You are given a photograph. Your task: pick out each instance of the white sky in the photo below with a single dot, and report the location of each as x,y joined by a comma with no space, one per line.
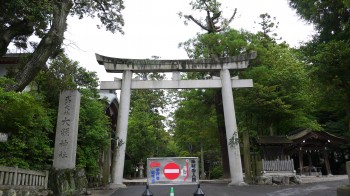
153,27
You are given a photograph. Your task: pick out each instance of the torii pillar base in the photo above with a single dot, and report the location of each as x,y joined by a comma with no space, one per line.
238,184
116,186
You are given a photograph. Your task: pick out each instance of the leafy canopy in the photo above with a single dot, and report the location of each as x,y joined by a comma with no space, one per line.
29,125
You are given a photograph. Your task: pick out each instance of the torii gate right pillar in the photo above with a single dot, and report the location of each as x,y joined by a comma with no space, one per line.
234,154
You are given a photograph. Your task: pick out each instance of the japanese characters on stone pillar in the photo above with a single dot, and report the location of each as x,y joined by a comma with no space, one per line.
67,130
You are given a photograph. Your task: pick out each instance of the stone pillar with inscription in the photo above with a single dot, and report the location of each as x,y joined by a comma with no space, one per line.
64,178
67,130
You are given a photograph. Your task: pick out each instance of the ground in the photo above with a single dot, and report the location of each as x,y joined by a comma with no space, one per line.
311,186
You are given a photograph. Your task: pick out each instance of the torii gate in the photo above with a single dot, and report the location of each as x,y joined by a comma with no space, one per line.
129,66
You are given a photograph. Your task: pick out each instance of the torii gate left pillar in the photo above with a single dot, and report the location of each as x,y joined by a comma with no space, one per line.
128,66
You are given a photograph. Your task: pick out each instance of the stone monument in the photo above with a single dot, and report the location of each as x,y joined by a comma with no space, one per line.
64,179
67,130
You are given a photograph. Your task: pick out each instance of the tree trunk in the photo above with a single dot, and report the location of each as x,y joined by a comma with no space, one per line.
247,161
222,133
271,129
210,27
49,45
348,116
202,163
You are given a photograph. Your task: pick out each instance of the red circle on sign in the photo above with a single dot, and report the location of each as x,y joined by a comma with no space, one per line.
171,171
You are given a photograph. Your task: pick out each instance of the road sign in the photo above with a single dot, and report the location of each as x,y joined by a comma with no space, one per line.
172,170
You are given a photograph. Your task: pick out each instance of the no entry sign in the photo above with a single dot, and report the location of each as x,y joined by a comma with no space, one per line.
172,170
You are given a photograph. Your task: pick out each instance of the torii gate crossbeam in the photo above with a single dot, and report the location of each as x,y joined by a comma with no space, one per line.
128,66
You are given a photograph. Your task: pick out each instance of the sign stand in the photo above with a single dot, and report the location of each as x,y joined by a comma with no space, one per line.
147,192
199,191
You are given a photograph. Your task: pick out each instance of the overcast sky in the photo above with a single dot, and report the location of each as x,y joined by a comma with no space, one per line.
152,27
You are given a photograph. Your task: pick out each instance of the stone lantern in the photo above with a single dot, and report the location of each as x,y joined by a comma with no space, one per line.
141,168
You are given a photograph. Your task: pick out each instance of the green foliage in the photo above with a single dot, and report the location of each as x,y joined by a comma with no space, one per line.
195,121
93,135
36,16
328,59
331,18
29,126
64,74
146,132
331,67
227,43
217,172
29,118
281,98
280,101
46,19
108,11
129,169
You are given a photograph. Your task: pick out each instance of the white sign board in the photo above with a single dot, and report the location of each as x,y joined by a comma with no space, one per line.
3,137
172,170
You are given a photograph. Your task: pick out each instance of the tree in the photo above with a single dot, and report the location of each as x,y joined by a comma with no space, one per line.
213,24
64,74
331,18
329,65
326,56
20,19
94,133
146,131
196,127
281,99
93,137
29,125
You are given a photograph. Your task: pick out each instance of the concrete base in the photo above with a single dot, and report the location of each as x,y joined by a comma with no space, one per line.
238,184
343,191
116,186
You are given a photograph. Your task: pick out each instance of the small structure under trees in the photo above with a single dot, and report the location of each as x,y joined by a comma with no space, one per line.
310,149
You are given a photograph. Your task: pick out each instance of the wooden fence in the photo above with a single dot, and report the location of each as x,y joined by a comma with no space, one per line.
278,166
16,178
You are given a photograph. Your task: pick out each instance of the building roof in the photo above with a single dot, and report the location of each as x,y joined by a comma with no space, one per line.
11,58
308,134
273,140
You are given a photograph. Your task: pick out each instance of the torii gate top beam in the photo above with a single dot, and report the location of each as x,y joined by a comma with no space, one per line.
118,65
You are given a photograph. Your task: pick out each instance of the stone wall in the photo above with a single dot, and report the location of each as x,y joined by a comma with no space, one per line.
278,179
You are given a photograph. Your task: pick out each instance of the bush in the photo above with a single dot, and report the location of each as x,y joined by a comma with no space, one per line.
217,172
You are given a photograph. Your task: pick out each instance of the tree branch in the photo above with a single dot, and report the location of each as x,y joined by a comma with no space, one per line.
48,46
196,21
100,5
23,27
232,17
